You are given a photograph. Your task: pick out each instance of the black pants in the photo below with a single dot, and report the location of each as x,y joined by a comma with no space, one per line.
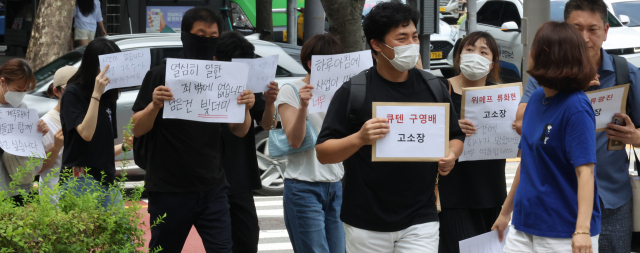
208,211
245,231
460,224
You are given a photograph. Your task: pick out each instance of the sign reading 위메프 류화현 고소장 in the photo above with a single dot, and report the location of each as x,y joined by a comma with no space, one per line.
205,91
492,110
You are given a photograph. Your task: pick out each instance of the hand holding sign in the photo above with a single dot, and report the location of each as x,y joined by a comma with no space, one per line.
126,69
373,130
305,95
161,94
271,94
247,98
607,102
101,83
329,72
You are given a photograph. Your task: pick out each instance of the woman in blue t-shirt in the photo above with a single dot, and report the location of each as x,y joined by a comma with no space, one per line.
553,192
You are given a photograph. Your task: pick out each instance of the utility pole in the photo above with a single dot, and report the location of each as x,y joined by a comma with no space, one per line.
292,31
428,25
472,16
535,13
313,18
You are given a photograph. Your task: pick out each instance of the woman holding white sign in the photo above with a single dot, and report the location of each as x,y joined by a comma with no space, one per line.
553,192
312,191
88,120
16,78
471,195
53,141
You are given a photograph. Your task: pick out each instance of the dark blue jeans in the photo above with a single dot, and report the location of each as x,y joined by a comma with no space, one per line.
312,216
208,211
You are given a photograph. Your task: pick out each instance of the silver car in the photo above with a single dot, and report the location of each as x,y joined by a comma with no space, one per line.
169,46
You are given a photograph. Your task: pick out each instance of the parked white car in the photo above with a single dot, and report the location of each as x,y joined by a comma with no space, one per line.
627,11
501,18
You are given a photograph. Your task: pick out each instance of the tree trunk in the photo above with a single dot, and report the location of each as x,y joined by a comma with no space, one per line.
264,18
51,34
345,19
413,3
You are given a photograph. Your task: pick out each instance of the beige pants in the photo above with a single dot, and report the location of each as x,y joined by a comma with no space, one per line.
82,34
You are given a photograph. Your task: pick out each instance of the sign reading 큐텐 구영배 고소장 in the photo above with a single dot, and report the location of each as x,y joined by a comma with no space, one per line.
419,132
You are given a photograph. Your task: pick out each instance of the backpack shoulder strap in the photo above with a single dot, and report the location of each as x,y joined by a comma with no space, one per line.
622,70
357,92
435,85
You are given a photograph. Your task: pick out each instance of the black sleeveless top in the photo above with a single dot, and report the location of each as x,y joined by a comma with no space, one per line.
473,184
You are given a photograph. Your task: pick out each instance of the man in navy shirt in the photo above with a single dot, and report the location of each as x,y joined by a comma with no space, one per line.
612,175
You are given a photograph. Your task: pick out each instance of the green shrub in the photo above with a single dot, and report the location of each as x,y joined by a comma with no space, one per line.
76,223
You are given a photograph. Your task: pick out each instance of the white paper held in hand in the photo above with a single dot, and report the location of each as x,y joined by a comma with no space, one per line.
329,72
417,132
607,102
19,132
485,243
492,110
126,69
261,72
205,91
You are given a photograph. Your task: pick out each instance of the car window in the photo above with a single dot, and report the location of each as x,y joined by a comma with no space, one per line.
510,13
557,14
45,74
490,13
631,9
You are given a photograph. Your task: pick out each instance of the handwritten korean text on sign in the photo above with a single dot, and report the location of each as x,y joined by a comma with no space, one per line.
19,132
261,72
418,131
491,109
607,102
205,91
126,69
329,72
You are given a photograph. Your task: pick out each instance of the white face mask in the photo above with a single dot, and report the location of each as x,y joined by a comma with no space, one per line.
13,98
406,56
474,66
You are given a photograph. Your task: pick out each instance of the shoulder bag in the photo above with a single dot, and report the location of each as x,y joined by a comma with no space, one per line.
278,142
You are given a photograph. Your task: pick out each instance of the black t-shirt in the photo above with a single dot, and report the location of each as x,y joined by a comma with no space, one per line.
384,196
183,155
97,154
239,159
473,184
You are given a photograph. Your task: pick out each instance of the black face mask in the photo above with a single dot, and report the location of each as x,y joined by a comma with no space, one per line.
198,48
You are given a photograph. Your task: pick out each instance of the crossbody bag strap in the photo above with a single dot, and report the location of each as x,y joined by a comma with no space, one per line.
275,116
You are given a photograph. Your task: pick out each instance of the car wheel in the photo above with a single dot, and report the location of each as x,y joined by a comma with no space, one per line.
447,73
271,168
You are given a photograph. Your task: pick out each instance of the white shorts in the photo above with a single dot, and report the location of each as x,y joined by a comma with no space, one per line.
520,242
421,238
82,34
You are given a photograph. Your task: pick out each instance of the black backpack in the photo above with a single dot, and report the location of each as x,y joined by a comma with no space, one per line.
358,92
141,147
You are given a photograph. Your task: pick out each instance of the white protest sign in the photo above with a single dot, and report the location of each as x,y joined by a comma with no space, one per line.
19,132
126,69
491,109
607,102
329,72
205,91
261,72
418,132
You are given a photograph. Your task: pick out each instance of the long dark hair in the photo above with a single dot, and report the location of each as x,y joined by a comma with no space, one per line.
89,69
86,7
